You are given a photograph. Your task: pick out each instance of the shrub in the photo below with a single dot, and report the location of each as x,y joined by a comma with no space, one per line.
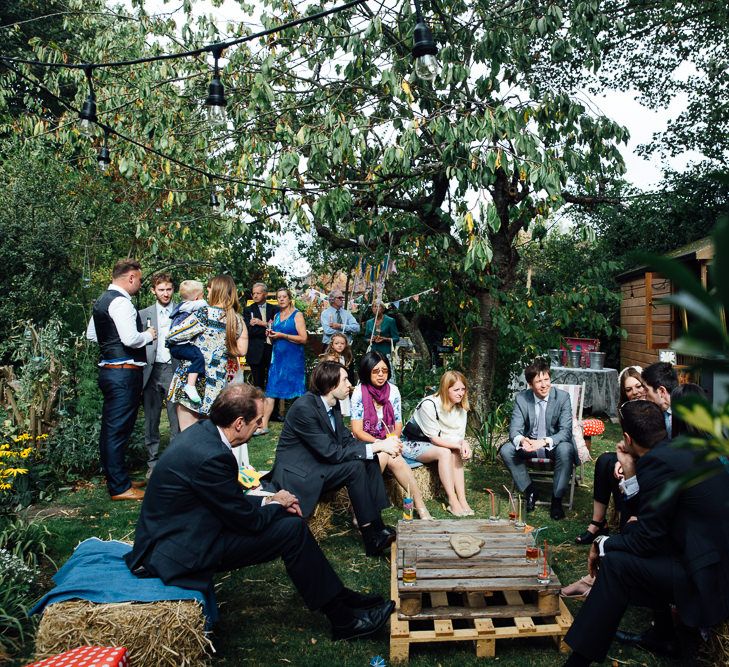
22,544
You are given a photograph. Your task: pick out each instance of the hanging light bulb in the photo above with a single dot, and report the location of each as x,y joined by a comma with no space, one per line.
104,157
215,101
424,48
87,115
214,201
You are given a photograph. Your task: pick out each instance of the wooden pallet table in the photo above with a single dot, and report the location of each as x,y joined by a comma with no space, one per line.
490,596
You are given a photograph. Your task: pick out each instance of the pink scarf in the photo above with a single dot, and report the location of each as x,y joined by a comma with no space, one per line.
371,423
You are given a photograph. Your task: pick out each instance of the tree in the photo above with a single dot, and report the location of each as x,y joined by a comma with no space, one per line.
662,49
329,128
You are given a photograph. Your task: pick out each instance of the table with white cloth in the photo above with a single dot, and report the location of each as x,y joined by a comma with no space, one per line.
602,392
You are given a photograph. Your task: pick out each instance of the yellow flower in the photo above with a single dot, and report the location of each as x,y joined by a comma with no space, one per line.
16,471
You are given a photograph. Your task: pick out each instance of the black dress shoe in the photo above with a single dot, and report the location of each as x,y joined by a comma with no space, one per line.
356,600
365,622
276,418
531,500
377,540
556,511
650,641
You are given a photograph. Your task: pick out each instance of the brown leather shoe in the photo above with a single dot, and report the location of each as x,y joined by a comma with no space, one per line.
130,494
139,485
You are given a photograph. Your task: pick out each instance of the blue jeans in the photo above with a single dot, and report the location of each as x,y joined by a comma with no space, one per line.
191,353
122,391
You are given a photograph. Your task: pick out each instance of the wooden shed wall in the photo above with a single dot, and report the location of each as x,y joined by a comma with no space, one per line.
633,318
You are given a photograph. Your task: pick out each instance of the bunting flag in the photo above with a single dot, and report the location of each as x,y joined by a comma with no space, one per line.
412,297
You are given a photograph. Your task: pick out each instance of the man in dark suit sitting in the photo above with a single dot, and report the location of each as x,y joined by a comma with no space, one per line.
316,453
541,426
677,551
196,520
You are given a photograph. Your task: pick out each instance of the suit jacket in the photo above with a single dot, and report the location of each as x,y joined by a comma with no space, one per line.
690,526
558,416
192,497
257,334
151,350
307,445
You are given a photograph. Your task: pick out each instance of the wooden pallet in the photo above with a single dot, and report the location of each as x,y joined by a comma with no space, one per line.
455,602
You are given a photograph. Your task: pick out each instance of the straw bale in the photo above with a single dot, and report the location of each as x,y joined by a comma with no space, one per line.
716,650
426,477
170,632
331,503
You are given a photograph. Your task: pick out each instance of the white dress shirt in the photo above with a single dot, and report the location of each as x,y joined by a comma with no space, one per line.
124,315
163,355
226,442
518,438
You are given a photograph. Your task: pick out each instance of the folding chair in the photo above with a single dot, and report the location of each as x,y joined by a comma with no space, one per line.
542,469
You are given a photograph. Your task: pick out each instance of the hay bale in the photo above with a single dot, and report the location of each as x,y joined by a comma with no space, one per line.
426,477
331,503
170,632
716,650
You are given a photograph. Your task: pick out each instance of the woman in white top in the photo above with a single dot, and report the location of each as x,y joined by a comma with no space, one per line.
442,419
377,414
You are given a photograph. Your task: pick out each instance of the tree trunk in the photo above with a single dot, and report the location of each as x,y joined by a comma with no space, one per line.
412,327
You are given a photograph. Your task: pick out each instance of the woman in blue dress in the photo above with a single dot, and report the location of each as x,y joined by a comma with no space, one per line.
287,374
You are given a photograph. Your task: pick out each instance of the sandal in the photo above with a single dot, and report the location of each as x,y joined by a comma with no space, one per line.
580,589
588,537
423,514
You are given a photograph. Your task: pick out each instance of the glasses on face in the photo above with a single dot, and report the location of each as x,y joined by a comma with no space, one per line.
379,371
339,298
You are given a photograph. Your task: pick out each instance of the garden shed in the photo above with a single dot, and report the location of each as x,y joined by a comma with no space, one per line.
650,325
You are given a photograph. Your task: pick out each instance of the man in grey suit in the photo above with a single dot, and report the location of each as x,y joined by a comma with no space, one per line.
159,369
541,427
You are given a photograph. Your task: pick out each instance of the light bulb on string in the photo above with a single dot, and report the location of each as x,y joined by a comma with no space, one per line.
87,115
104,156
424,48
214,202
215,102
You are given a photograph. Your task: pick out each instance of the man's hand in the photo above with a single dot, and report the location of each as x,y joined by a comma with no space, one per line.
618,471
152,332
593,560
390,445
335,325
625,458
257,322
529,445
287,500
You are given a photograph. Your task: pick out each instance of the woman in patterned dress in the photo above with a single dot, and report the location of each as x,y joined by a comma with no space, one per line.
219,332
287,374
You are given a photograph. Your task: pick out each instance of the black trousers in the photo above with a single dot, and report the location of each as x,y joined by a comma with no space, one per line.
259,371
288,538
605,484
122,391
622,579
364,484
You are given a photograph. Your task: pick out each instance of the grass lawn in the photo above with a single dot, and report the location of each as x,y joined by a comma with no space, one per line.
263,620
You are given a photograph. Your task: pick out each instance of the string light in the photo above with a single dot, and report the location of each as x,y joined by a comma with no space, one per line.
87,115
215,102
214,201
104,157
424,48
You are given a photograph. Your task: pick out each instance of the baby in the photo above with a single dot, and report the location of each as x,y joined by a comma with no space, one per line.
191,292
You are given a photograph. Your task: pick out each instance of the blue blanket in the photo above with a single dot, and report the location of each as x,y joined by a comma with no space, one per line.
98,573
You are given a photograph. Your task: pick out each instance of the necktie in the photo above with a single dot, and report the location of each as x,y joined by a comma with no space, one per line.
541,421
667,419
330,412
339,316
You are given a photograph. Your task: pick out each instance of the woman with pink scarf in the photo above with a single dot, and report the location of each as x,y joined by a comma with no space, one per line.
377,414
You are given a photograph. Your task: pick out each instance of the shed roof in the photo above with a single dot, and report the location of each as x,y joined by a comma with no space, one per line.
702,249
